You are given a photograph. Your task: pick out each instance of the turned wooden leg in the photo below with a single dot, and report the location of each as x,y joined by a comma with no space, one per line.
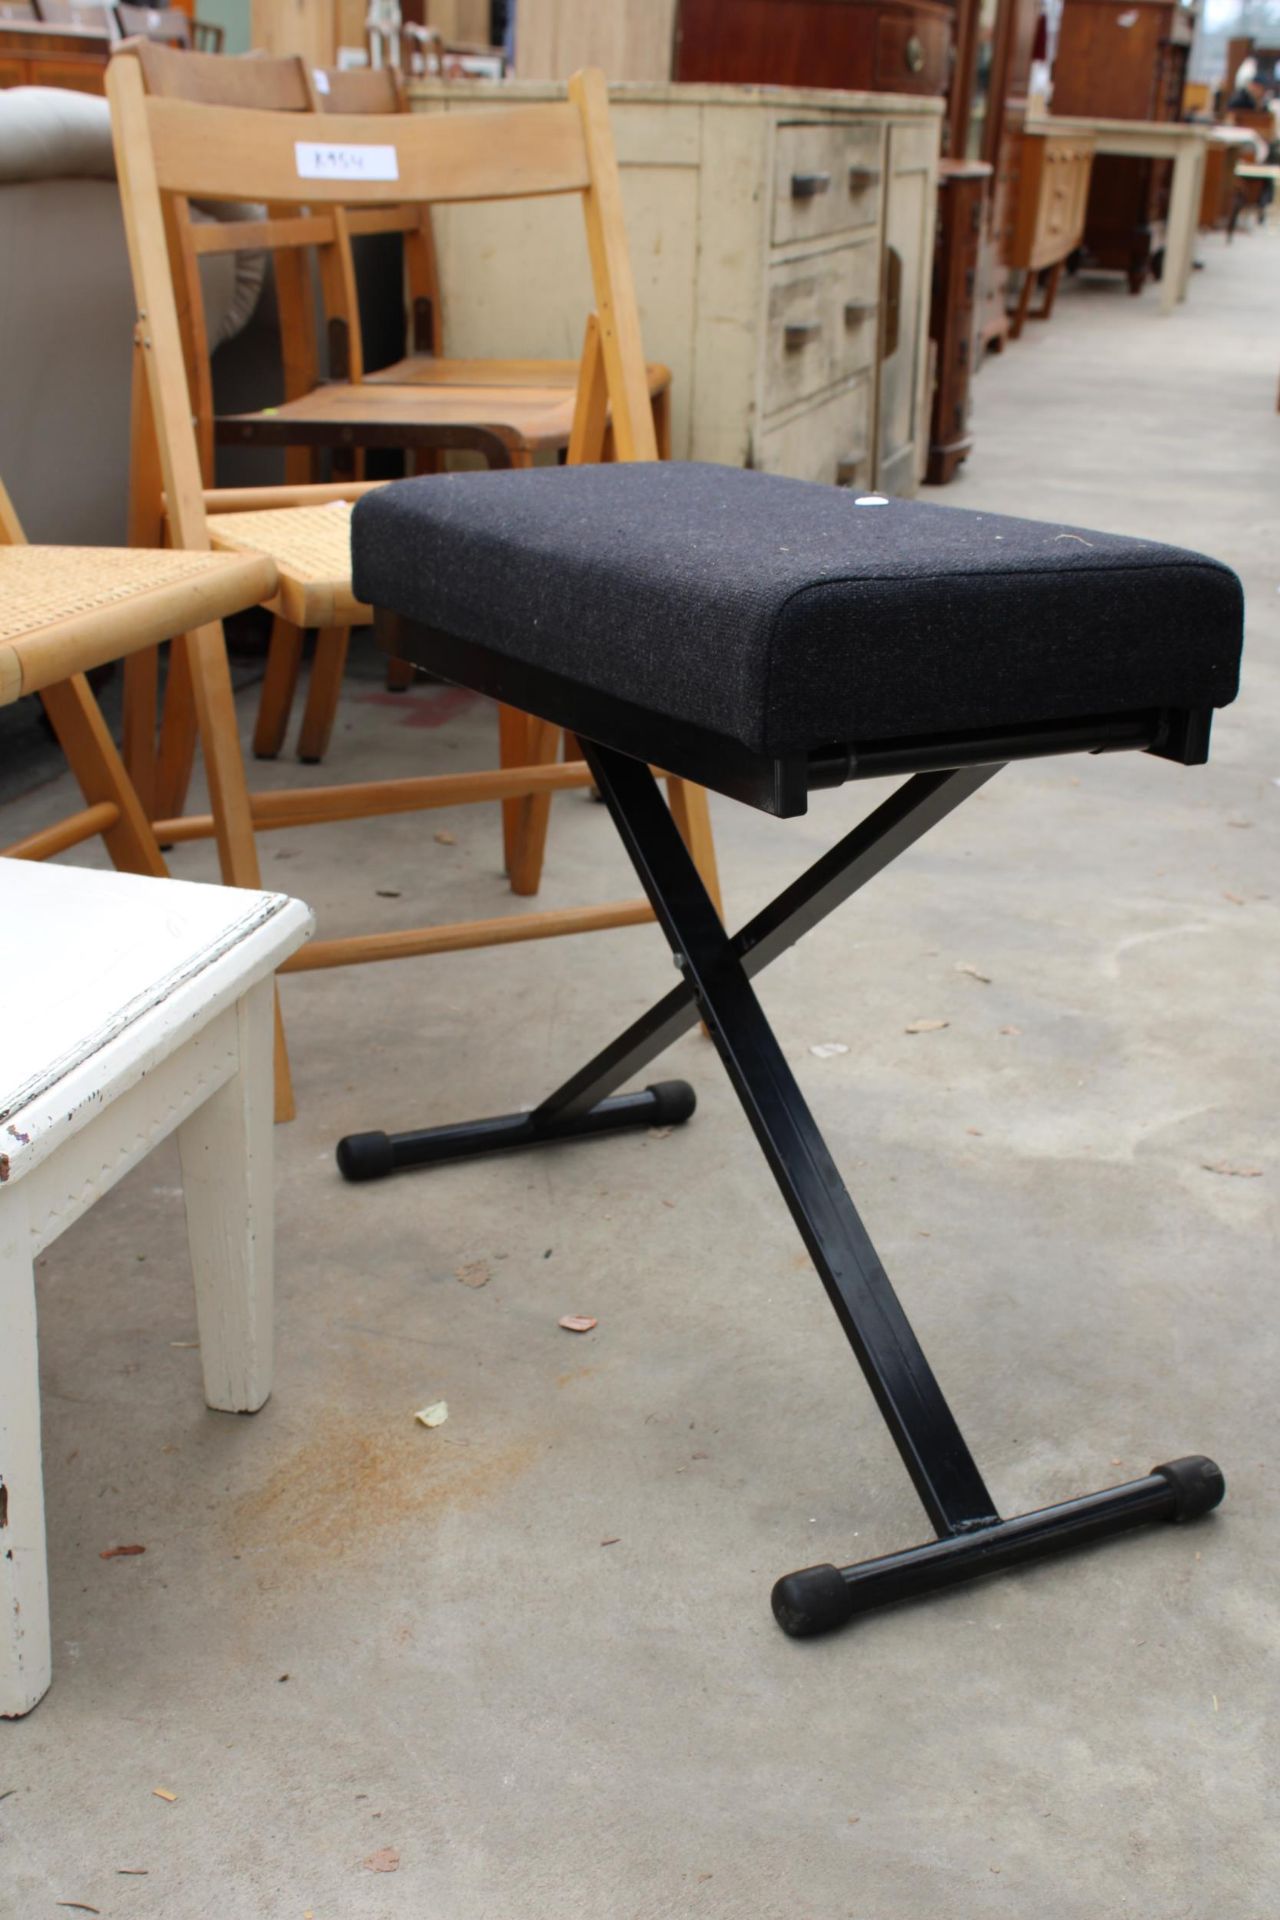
1019,318
226,1150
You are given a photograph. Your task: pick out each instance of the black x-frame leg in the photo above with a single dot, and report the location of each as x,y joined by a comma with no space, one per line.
715,986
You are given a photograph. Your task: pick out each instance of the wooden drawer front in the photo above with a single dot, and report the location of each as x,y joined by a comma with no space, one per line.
913,55
821,323
826,180
831,442
1064,190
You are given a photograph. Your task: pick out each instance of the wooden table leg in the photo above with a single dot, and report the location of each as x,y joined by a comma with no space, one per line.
25,1653
226,1150
1180,230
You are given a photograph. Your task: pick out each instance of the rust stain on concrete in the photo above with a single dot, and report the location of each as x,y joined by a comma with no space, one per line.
349,1481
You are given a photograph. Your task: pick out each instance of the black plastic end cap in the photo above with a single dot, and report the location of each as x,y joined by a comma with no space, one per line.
1197,1482
812,1601
365,1156
674,1102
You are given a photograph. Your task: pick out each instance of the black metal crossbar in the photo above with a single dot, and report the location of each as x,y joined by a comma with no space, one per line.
715,986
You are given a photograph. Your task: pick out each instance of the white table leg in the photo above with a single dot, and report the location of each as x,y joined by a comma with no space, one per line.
25,1668
226,1149
1180,229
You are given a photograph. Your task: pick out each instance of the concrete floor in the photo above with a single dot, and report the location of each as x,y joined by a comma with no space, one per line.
348,1633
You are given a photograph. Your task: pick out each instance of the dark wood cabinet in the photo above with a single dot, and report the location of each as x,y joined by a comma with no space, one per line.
1124,60
872,46
953,314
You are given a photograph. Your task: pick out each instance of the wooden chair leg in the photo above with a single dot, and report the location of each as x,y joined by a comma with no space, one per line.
178,735
662,422
226,1152
229,798
533,811
138,735
1051,291
99,771
399,675
25,1651
279,684
1019,318
327,667
513,751
693,817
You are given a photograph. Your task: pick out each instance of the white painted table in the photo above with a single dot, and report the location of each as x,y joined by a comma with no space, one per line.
1154,140
131,1008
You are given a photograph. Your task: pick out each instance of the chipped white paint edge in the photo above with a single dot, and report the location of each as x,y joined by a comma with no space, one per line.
264,908
200,1062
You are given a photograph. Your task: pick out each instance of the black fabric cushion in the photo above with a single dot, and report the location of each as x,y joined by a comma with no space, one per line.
787,616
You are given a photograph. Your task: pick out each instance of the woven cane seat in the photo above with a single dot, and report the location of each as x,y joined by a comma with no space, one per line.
311,548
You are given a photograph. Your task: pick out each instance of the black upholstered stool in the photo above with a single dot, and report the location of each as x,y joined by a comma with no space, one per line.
766,637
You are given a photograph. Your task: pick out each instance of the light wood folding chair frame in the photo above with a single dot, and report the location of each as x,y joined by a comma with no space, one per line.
170,147
72,609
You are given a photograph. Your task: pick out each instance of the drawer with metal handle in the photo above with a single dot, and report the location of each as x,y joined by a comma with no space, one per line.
821,322
826,179
829,441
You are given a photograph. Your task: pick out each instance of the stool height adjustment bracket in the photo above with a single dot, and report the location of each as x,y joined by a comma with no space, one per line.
715,986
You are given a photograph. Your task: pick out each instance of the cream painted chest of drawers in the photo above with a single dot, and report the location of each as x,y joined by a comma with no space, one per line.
782,242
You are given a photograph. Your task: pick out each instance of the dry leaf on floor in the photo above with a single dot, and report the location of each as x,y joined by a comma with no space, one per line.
433,1416
1236,899
473,1273
659,1133
163,1793
385,1860
926,1026
1011,1029
578,1323
1238,1173
81,1906
184,1343
828,1049
134,1873
447,839
612,1542
388,893
119,1553
964,966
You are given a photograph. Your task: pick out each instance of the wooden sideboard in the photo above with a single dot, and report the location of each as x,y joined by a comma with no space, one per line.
47,56
1053,193
1124,60
782,244
894,46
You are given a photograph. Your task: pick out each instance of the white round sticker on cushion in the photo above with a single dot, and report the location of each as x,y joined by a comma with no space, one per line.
871,500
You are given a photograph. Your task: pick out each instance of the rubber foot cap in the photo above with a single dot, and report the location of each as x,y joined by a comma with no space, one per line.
365,1156
812,1601
1196,1481
674,1102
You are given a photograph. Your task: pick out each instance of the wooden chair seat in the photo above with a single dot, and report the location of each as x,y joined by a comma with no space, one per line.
64,610
505,423
309,549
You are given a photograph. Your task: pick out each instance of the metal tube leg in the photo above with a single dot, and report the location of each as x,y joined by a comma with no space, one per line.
820,1598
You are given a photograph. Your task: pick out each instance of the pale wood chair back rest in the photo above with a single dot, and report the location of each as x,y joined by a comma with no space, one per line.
278,84
382,90
167,148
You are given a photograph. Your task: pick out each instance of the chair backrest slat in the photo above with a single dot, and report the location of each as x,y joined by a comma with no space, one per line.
219,153
169,149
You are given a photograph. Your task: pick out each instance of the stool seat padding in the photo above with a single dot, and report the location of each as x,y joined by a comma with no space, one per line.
786,616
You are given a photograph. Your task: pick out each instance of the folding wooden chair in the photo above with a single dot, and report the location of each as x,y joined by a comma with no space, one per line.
506,412
66,610
770,638
174,148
